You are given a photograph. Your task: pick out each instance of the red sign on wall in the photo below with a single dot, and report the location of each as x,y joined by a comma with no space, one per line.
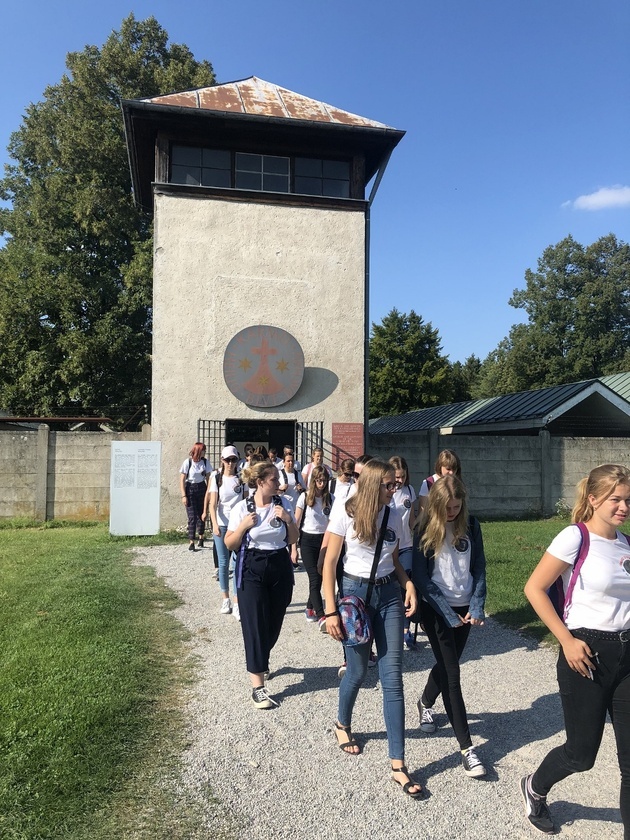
347,441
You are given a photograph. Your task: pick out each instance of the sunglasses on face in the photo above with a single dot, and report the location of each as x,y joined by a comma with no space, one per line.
355,474
349,475
389,485
230,460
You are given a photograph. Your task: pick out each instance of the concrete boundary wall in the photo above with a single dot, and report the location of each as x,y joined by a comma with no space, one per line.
57,475
508,476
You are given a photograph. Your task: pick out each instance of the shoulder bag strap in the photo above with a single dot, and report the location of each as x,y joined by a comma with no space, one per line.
377,555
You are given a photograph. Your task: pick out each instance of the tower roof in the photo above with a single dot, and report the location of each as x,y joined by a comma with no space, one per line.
256,97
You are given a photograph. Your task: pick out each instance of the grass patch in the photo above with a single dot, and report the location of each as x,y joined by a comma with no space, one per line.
512,551
92,671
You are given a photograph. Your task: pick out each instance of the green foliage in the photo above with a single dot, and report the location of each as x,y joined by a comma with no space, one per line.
578,309
464,378
407,368
76,267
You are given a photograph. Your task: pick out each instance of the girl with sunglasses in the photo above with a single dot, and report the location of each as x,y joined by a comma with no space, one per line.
360,523
311,514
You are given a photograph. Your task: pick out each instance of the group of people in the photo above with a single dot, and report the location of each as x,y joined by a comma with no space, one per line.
421,559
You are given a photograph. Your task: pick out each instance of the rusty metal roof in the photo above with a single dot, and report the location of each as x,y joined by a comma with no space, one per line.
256,97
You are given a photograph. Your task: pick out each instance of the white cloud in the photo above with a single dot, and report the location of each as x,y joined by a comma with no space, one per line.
602,199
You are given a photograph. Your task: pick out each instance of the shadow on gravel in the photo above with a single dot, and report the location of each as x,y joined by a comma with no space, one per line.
566,813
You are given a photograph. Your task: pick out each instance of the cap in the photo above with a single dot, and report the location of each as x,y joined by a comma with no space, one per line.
229,452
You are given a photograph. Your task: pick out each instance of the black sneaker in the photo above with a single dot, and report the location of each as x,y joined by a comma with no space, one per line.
471,764
200,543
536,808
261,698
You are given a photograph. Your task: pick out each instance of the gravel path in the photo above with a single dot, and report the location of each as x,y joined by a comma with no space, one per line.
278,773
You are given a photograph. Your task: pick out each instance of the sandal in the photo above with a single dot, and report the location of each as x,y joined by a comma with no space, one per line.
350,743
417,794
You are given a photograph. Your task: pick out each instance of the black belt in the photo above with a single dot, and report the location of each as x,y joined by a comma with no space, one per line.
603,635
378,582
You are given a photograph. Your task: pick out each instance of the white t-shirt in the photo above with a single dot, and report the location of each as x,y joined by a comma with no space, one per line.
230,494
339,503
360,556
263,535
342,489
601,596
403,500
315,519
291,494
196,471
451,571
308,469
424,489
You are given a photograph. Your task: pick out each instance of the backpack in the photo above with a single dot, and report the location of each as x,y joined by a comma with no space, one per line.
355,620
251,508
430,482
560,599
283,473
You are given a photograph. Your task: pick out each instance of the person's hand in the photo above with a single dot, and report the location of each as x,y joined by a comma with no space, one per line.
474,622
283,487
184,501
579,656
334,627
216,531
282,513
249,521
411,599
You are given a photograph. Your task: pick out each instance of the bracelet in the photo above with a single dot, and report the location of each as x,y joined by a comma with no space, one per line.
330,615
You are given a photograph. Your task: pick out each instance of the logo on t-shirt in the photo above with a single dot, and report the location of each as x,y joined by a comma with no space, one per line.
625,564
407,503
326,511
462,545
390,536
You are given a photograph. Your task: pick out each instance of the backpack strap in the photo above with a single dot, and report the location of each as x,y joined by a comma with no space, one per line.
377,555
240,559
332,486
585,543
430,482
284,476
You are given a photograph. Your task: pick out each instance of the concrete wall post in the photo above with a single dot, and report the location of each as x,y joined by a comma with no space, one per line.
41,475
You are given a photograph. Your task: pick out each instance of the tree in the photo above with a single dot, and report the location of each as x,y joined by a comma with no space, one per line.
578,308
464,378
76,266
407,368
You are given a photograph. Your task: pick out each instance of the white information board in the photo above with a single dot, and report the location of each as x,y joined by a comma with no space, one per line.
134,488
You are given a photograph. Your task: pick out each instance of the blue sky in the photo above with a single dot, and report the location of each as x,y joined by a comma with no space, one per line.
516,111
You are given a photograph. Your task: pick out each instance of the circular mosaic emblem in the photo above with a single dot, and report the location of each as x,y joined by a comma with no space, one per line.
263,366
461,545
407,503
625,564
326,511
390,536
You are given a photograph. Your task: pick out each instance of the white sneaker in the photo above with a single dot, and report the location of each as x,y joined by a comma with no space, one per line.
427,718
261,698
236,612
226,606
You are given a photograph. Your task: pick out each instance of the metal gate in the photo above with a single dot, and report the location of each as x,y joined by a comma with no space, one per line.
212,433
308,436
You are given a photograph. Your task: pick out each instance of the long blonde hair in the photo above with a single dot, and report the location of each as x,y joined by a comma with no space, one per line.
432,525
601,482
363,507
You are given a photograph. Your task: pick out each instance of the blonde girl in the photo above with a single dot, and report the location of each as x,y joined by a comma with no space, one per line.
449,569
359,522
311,514
594,635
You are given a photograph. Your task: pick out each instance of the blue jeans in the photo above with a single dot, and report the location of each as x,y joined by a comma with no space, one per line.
224,559
386,613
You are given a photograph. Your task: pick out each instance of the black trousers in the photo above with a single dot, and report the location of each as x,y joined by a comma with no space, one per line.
310,545
448,644
195,494
585,704
263,597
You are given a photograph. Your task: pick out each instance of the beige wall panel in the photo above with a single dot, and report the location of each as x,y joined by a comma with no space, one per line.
221,266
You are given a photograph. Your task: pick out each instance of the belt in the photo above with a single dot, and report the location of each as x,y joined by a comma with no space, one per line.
604,635
378,582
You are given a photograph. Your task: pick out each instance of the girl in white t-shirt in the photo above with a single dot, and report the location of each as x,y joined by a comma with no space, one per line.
449,569
291,486
404,501
224,492
359,522
193,483
260,529
311,514
594,658
447,463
